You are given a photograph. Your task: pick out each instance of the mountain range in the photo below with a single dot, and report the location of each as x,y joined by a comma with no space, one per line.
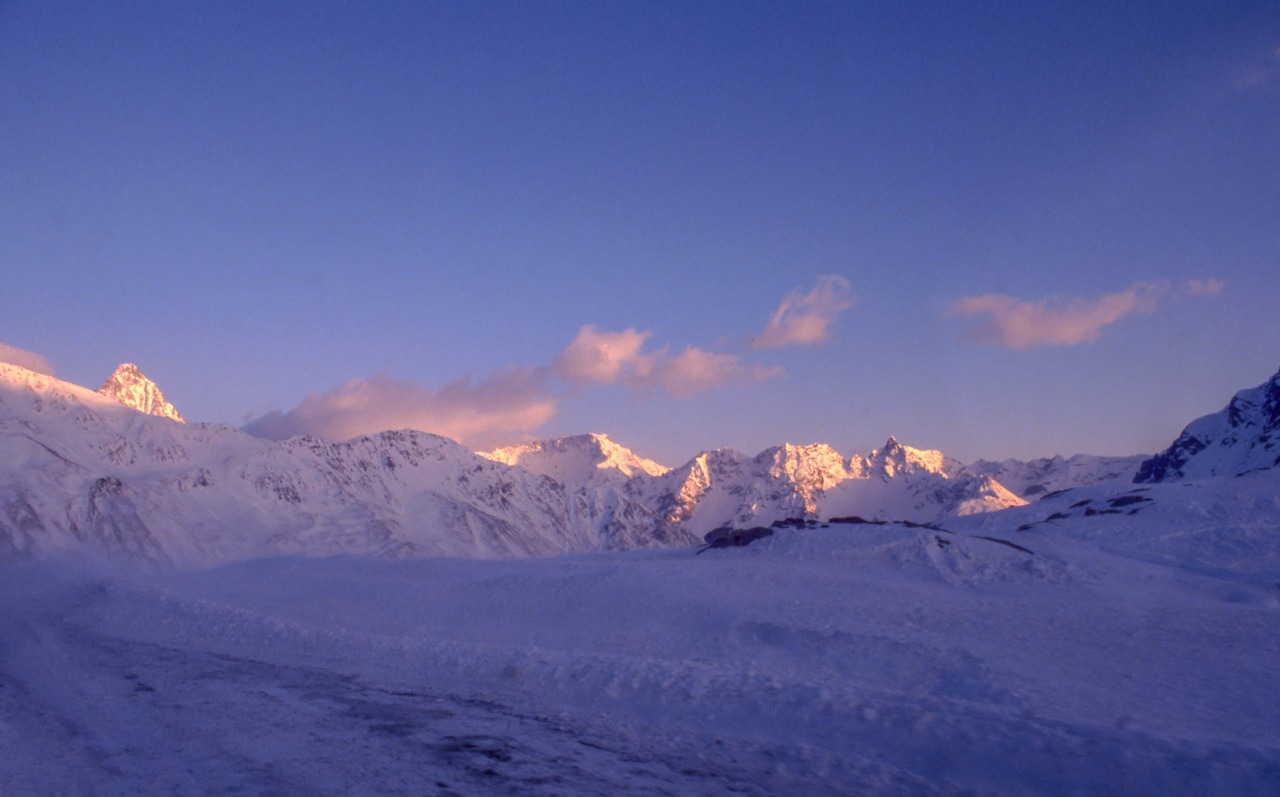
117,471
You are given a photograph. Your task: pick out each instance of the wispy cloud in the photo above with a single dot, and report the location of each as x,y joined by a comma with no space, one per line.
804,319
512,403
25,359
479,414
515,402
596,356
694,370
1209,287
1023,324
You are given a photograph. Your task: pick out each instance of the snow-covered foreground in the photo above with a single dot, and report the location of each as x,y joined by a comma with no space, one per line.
844,660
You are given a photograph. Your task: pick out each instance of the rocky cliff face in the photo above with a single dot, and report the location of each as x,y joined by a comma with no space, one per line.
1244,436
726,488
129,387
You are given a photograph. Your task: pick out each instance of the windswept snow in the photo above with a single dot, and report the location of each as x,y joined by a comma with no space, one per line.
854,659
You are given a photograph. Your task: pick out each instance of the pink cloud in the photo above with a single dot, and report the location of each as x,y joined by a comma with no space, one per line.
804,319
509,403
25,359
595,356
694,370
479,415
1020,324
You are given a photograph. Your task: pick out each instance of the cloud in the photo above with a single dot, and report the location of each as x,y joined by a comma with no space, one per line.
1020,324
694,370
805,319
594,356
25,359
510,403
478,415
1209,287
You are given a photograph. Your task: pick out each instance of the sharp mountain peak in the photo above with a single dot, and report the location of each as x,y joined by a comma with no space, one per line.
129,386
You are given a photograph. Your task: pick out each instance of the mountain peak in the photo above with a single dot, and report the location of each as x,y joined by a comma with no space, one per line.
895,457
131,388
591,459
1243,436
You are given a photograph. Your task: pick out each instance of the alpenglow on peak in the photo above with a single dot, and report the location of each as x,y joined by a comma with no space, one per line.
129,387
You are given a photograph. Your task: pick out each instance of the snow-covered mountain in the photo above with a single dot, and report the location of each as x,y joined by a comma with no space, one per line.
110,470
589,460
726,488
1087,627
129,387
81,472
1244,436
1038,477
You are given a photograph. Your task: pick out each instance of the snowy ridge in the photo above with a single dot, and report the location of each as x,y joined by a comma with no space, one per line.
725,488
1242,437
129,387
1038,477
590,460
82,473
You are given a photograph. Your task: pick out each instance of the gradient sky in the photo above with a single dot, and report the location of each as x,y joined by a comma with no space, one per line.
997,229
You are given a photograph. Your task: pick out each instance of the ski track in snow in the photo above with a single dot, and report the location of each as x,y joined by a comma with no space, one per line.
875,660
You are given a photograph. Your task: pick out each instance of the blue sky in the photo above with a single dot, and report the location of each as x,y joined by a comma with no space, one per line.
994,229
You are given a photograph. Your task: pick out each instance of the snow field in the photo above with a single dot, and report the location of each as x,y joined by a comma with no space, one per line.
849,660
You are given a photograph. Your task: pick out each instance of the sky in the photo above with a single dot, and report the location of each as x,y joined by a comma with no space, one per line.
994,229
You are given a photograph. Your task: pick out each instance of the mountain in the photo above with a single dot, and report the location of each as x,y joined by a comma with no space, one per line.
1244,436
129,387
589,460
86,471
726,488
1038,477
83,473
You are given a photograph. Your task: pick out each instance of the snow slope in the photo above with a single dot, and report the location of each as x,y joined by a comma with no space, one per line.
1105,654
1242,437
1035,478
